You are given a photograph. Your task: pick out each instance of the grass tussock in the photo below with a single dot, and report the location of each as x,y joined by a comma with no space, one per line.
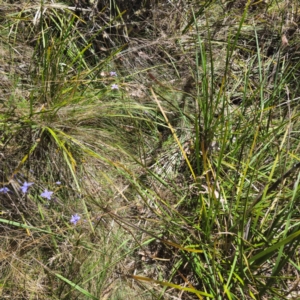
149,151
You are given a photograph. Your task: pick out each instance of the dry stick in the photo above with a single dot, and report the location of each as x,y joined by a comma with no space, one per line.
273,186
174,135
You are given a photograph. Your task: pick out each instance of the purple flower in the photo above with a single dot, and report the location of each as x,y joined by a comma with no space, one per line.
112,73
25,186
46,194
114,87
75,218
4,190
58,182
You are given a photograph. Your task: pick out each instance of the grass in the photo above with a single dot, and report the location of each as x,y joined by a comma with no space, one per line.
162,156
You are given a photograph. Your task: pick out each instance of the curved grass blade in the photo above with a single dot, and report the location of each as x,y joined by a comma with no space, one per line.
171,285
77,287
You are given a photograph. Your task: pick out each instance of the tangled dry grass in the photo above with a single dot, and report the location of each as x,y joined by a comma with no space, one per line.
165,134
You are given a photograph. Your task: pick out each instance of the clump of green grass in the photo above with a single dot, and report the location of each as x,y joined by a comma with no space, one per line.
229,188
112,188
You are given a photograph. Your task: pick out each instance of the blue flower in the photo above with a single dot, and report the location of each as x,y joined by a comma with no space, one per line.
75,218
25,186
4,190
58,182
46,194
112,73
114,87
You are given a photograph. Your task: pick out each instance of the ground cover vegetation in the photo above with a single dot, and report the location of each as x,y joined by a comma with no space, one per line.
149,149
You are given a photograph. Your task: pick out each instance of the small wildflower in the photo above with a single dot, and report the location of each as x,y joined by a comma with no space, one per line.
4,190
114,87
25,186
74,219
46,194
113,73
58,182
